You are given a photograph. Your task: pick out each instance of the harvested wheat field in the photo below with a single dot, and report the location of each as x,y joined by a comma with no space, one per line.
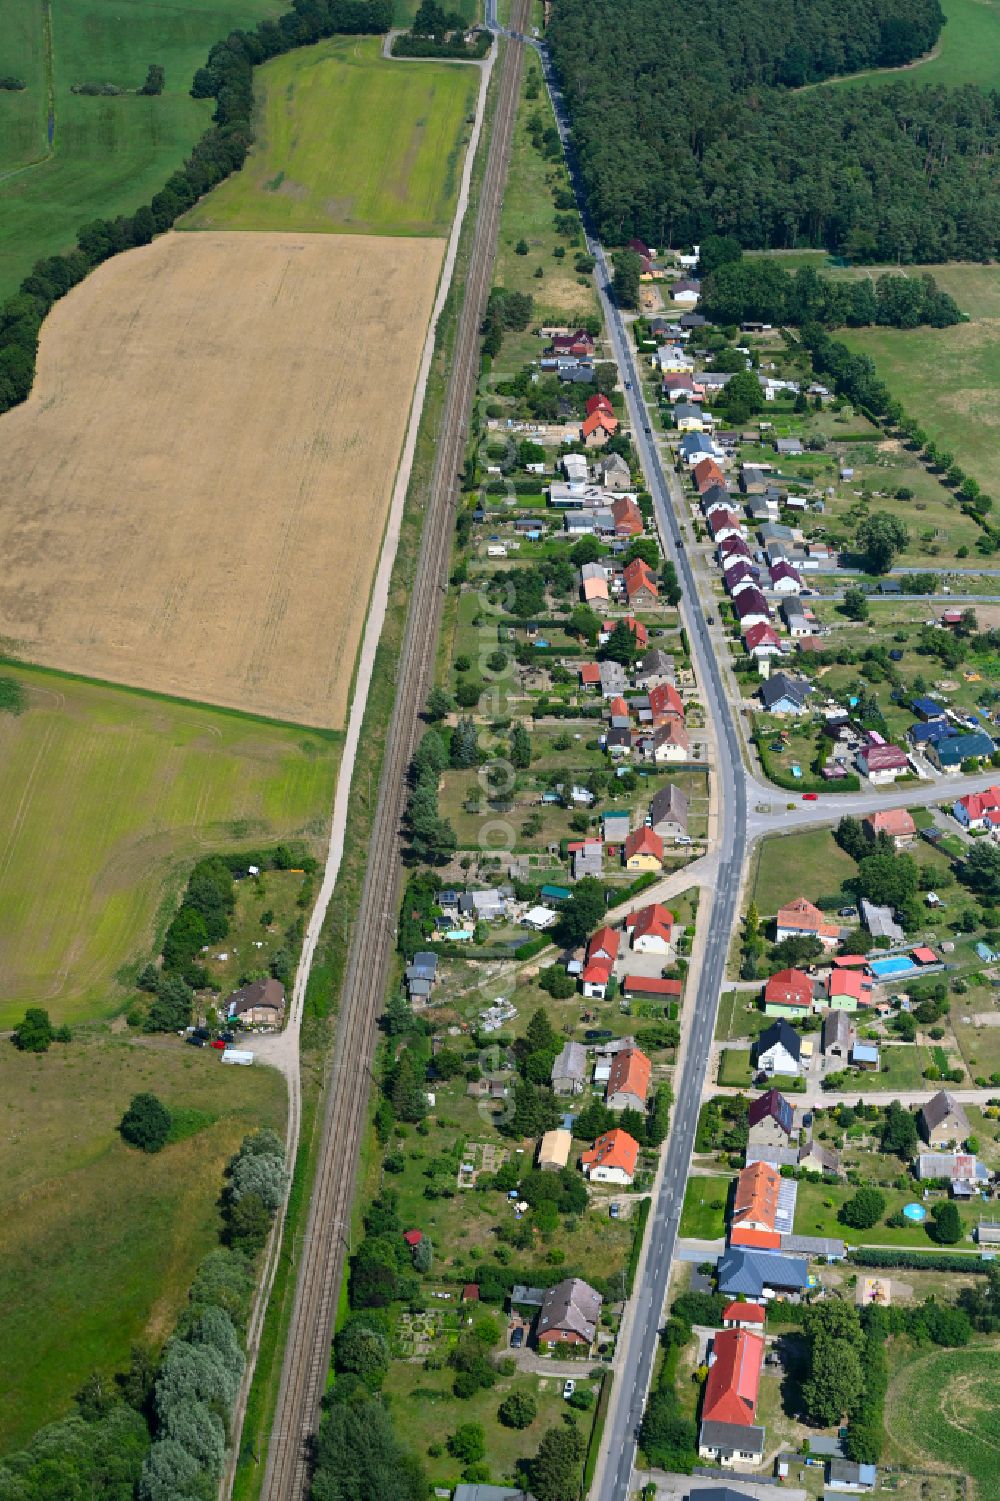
195,493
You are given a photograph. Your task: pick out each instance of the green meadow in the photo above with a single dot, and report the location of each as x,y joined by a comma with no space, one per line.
100,1242
106,799
109,155
349,142
968,51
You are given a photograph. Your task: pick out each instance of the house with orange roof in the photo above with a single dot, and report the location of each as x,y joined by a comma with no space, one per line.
755,1206
800,919
628,1082
705,473
595,590
727,1431
896,822
788,993
612,1159
598,428
617,708
590,675
643,850
638,630
652,929
640,583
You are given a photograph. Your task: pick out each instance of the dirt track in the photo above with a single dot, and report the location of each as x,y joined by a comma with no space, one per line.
195,492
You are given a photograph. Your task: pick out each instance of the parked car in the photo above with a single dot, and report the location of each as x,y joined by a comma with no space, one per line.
217,1042
569,1388
517,1338
810,797
195,1042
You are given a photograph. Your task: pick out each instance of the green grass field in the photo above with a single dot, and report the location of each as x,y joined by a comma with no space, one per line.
100,1242
704,1214
943,1410
968,51
791,865
109,155
106,797
349,142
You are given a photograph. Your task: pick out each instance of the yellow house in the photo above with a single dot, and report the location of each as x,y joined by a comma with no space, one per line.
643,850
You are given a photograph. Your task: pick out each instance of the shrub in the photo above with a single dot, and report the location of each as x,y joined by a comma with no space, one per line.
146,1123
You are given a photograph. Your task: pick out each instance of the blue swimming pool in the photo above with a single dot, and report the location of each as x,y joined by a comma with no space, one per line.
901,964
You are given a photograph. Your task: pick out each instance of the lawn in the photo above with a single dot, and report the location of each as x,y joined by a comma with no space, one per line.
948,377
816,1214
529,214
968,51
350,143
100,1242
106,798
109,155
425,1412
790,865
734,1068
704,1214
943,1410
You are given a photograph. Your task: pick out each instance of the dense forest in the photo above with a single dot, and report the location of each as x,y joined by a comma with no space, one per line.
718,141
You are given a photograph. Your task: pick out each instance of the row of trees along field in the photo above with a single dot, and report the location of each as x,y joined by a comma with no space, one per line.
720,142
227,77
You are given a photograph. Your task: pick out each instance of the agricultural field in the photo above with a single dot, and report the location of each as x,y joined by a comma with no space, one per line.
968,51
529,215
947,378
350,142
100,1242
106,797
942,1412
108,155
232,564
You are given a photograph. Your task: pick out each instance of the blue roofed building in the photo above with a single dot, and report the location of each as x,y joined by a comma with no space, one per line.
948,755
931,731
752,1272
926,708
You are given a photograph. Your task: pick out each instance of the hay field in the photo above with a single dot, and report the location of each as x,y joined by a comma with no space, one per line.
106,799
941,1412
349,142
196,490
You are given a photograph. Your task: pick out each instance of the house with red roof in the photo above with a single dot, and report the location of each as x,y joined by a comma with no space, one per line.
731,550
788,993
707,472
724,524
652,929
883,763
604,944
730,1398
628,1081
640,583
743,1316
590,675
612,1159
643,850
579,343
599,403
979,810
665,703
595,977
847,989
638,630
762,640
413,1238
896,822
679,386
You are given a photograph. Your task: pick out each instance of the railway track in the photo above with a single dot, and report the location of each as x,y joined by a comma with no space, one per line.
325,1243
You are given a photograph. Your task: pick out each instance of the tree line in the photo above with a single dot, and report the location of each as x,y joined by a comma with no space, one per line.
227,77
718,142
763,291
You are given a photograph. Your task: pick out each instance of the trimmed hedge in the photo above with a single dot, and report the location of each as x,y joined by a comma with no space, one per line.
928,1261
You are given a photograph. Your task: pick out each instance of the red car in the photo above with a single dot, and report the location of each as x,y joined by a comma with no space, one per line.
217,1042
810,797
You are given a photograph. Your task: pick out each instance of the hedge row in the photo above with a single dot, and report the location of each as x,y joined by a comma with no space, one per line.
928,1261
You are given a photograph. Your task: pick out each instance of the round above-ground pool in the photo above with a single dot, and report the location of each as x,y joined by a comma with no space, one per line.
915,1212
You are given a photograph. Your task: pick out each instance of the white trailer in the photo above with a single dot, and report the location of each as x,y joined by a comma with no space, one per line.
237,1055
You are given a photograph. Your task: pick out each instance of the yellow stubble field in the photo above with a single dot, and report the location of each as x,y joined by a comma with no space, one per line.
194,495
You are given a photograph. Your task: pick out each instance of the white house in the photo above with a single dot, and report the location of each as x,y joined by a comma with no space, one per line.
779,1049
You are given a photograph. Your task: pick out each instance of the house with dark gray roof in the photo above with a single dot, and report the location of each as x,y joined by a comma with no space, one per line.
569,1314
668,812
569,1071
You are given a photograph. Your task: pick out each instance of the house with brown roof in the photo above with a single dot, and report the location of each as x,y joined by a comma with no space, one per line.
772,1121
261,1003
800,919
569,1314
669,742
942,1121
627,517
707,472
628,1081
612,1159
896,822
754,1220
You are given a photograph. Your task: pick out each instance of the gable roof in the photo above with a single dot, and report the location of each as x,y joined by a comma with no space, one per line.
978,804
644,841
884,757
706,472
599,419
757,1190
734,1377
652,921
801,914
751,1313
760,634
639,575
259,993
669,805
781,1034
572,1305
895,821
613,1149
630,1071
599,403
789,987
751,602
772,1105
944,1107
782,685
664,699
604,941
741,1270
